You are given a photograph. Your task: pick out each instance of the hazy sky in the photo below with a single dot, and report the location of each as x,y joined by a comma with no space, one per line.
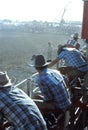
45,10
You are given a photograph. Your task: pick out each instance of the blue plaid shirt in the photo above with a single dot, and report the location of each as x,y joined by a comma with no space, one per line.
53,87
72,42
74,58
20,110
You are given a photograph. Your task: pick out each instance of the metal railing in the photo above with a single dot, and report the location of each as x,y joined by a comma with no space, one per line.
29,85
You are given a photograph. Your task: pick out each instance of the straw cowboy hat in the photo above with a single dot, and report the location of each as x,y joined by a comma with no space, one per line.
4,79
40,61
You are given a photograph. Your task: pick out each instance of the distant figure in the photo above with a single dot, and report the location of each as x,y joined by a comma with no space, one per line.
49,52
18,108
33,70
73,42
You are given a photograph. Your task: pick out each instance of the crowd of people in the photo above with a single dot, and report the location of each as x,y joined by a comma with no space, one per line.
21,112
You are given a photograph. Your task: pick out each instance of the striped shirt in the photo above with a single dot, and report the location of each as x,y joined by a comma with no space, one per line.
53,87
74,58
72,42
19,109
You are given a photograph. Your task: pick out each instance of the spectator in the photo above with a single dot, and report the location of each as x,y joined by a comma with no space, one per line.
18,108
73,42
49,52
32,62
73,58
52,86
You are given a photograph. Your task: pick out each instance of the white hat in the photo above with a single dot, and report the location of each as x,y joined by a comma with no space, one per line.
4,79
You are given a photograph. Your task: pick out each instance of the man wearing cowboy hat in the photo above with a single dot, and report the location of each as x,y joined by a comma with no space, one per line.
73,42
52,86
17,108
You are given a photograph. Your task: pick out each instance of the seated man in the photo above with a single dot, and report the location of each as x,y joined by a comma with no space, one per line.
17,108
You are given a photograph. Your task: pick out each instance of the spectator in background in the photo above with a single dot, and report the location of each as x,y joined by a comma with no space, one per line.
33,70
73,42
49,52
18,108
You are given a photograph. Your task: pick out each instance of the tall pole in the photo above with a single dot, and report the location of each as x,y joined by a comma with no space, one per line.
85,36
85,25
85,28
85,32
85,20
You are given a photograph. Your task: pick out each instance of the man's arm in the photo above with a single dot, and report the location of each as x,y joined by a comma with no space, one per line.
77,46
53,62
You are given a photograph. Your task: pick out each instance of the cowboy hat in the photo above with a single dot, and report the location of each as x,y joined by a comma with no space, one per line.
40,61
4,79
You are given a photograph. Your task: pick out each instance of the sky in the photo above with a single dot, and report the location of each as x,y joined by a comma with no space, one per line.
41,10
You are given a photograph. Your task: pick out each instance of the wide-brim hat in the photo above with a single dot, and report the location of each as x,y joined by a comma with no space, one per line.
40,61
4,80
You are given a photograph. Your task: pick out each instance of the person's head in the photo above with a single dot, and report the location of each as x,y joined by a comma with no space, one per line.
76,36
4,79
60,48
40,62
49,43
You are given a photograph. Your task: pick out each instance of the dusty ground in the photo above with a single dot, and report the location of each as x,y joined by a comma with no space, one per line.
17,48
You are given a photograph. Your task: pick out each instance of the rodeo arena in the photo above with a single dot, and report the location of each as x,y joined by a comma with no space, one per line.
76,116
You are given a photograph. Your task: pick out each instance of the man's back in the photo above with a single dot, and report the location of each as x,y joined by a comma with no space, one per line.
74,58
54,88
20,110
